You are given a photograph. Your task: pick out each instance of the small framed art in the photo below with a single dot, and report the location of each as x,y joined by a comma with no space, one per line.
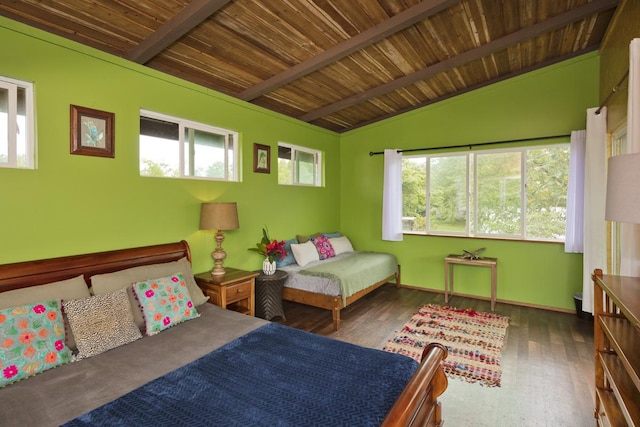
92,132
261,158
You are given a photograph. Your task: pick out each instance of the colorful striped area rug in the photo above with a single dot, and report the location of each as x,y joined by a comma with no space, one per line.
474,341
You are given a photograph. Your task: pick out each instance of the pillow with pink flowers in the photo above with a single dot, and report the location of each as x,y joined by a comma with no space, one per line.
31,340
165,302
323,246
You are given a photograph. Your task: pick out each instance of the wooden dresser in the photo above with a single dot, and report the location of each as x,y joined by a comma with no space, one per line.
617,349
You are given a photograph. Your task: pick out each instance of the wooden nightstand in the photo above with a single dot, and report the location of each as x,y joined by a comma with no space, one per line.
235,290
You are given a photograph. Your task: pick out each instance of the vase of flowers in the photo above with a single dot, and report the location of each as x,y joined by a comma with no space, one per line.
268,267
271,249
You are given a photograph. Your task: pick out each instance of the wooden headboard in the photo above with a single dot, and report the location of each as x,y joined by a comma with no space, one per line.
39,272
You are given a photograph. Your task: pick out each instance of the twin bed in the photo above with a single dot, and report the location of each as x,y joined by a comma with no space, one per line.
325,271
219,368
335,283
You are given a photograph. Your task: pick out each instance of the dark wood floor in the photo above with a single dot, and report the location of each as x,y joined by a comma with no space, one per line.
547,360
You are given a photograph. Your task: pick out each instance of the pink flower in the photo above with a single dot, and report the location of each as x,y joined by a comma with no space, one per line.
59,345
10,371
166,320
149,293
39,309
189,304
174,279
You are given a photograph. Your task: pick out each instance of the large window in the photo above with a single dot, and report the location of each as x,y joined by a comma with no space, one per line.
299,165
177,148
17,136
516,193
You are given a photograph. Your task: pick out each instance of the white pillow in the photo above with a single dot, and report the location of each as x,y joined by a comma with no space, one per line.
304,253
341,244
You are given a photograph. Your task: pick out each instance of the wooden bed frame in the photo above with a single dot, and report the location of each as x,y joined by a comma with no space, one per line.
331,302
416,406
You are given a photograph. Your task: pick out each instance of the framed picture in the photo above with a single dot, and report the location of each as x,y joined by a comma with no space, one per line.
92,132
261,158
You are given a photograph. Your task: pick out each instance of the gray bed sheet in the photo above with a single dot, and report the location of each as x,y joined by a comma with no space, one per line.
315,284
63,393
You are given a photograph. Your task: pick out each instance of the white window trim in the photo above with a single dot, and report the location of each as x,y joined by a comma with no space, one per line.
30,158
471,229
317,164
231,141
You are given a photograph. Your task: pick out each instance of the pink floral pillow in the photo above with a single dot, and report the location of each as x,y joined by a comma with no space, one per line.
322,244
165,302
31,340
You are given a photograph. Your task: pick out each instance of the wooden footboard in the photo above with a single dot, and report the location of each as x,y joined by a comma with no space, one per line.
333,303
418,404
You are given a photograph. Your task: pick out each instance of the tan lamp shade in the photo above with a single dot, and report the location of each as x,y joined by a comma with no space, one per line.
219,216
623,189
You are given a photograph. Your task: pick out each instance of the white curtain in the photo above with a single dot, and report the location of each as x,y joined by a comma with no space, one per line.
630,233
574,240
392,196
595,177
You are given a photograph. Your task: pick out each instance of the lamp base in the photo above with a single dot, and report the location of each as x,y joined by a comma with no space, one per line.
217,271
218,255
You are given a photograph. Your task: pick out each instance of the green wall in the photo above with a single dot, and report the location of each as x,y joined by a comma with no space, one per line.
76,204
550,101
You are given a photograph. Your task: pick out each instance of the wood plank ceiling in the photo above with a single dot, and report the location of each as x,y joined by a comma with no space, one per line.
338,64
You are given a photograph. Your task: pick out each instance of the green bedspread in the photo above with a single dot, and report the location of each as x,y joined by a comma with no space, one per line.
357,271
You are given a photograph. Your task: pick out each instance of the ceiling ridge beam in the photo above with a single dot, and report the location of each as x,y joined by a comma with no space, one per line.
479,86
551,24
183,22
378,32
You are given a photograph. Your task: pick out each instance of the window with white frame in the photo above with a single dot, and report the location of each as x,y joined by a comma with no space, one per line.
177,148
299,165
17,134
517,193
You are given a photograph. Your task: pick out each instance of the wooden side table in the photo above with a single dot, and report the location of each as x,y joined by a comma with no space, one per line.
482,262
235,290
269,294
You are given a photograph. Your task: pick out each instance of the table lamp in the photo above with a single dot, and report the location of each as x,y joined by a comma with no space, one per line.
219,217
623,189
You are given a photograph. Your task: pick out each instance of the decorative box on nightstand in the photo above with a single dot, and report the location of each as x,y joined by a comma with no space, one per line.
235,290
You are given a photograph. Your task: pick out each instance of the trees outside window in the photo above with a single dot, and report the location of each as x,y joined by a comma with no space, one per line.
176,148
515,193
299,165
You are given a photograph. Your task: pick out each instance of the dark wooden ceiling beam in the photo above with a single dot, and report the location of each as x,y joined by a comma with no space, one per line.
378,32
551,24
478,86
192,15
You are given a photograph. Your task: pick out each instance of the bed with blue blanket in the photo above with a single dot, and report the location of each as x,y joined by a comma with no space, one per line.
217,368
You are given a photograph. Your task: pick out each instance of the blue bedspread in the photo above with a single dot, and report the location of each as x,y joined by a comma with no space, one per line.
272,376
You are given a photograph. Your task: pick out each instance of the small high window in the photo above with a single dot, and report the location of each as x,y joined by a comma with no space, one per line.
299,165
177,148
17,136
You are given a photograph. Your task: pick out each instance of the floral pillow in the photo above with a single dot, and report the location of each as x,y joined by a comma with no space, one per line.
323,246
165,302
31,340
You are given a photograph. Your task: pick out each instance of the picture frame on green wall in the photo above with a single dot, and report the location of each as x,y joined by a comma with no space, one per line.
92,132
261,158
